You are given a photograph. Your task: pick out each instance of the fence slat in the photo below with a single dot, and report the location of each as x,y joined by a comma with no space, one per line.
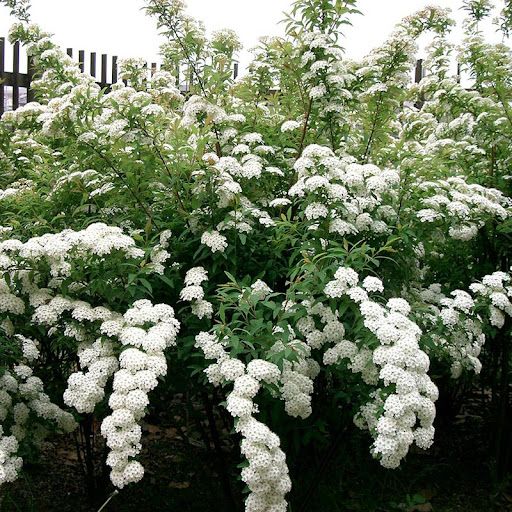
418,72
114,69
2,69
81,60
30,76
103,70
93,64
16,75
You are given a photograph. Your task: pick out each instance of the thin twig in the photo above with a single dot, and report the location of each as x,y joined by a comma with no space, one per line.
116,492
123,179
218,149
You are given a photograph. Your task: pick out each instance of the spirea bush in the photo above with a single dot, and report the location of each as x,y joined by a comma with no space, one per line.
317,219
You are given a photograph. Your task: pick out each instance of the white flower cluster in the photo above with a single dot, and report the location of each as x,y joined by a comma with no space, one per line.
463,207
97,239
296,382
22,395
350,196
260,289
225,187
162,86
194,293
297,376
214,240
324,71
49,57
197,109
16,188
94,182
496,289
409,410
332,334
159,255
10,463
223,177
146,331
452,325
455,323
267,472
87,388
290,126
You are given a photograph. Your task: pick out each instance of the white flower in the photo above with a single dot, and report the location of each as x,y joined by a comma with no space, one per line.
373,284
289,126
196,276
214,240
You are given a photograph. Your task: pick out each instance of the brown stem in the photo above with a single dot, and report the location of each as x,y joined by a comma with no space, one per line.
123,179
218,149
161,158
221,463
89,456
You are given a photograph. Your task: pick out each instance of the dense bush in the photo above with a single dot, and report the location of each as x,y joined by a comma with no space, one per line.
320,233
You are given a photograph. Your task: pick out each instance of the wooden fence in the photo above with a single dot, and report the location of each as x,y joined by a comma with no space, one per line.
15,86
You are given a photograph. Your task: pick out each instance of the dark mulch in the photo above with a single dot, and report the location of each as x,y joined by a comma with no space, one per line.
183,475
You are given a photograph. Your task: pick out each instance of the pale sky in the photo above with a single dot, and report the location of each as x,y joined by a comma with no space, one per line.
118,27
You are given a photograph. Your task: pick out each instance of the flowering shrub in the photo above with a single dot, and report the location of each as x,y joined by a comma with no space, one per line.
319,218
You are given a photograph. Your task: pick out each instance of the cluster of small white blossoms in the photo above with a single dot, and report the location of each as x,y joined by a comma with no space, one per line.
162,87
296,379
197,109
194,293
400,49
296,383
426,141
224,178
214,241
16,188
260,290
375,74
245,218
325,72
402,364
464,207
347,195
61,84
456,140
110,125
290,126
69,91
332,332
134,70
452,325
60,72
86,388
92,181
77,319
216,180
159,254
267,473
22,395
455,323
97,239
145,331
496,290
